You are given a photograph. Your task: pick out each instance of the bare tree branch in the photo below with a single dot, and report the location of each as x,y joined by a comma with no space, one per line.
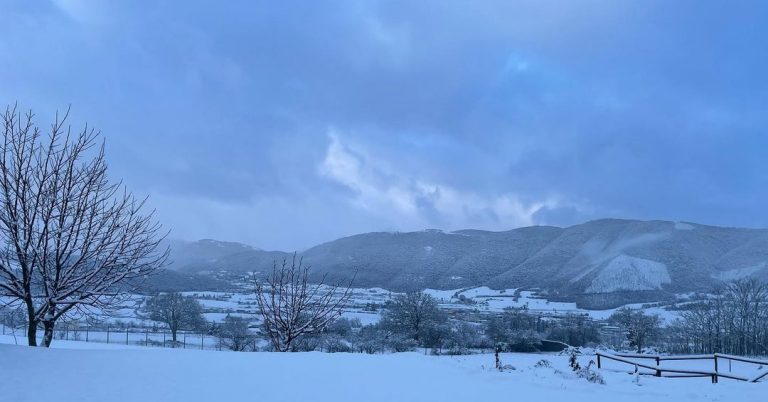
291,307
69,237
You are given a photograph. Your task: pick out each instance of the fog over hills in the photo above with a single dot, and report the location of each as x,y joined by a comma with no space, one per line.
595,263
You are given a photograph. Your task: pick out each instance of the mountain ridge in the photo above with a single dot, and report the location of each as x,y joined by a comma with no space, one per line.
589,261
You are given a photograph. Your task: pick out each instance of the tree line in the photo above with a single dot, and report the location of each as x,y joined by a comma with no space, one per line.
409,321
733,320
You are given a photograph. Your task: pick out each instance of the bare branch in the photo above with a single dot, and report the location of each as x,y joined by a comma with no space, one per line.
69,238
291,307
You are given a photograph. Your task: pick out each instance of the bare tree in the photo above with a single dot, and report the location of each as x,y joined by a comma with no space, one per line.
291,307
177,311
732,319
70,240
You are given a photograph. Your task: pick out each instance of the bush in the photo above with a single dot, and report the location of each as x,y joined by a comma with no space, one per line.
590,375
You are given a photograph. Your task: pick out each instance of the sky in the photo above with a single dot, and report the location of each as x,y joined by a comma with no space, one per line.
287,124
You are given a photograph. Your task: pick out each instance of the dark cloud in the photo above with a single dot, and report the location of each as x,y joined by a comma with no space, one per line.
287,124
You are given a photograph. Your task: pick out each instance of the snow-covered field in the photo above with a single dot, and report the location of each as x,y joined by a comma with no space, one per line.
82,372
366,305
488,300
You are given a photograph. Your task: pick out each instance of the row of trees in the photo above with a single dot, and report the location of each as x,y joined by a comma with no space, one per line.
733,320
412,320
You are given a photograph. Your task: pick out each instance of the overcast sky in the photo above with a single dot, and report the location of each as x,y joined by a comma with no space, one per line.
286,124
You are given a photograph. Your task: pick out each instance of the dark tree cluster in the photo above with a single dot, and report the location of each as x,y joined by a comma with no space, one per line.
414,320
522,331
640,328
733,320
177,311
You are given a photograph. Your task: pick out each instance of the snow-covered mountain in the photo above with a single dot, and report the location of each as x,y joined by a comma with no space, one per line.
594,263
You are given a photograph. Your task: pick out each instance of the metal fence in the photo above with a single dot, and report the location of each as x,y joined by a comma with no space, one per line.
123,335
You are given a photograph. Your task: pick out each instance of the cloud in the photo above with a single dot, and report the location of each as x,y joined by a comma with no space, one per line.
412,202
494,115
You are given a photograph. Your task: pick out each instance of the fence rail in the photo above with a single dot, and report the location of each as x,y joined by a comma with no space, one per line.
119,335
659,371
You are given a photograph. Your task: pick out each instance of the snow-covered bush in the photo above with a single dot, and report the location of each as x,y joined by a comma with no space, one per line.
543,363
589,374
333,343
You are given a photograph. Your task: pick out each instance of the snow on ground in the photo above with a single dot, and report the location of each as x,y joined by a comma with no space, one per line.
219,317
667,316
366,304
111,374
365,317
491,300
684,226
8,340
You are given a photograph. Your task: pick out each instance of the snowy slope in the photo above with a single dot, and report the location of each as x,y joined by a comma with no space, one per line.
32,375
584,263
630,273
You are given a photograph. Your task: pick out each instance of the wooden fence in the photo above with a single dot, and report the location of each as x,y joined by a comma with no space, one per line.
659,370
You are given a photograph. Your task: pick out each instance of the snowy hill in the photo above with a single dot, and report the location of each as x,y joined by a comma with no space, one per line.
599,263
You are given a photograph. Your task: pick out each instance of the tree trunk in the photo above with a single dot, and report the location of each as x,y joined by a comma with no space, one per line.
31,320
32,333
173,336
48,334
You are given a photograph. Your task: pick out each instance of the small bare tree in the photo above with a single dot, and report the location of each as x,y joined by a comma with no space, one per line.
291,307
70,239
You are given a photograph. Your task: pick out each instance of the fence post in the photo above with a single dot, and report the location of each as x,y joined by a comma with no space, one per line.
107,333
146,337
163,337
202,340
87,332
184,343
126,335
715,362
598,361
